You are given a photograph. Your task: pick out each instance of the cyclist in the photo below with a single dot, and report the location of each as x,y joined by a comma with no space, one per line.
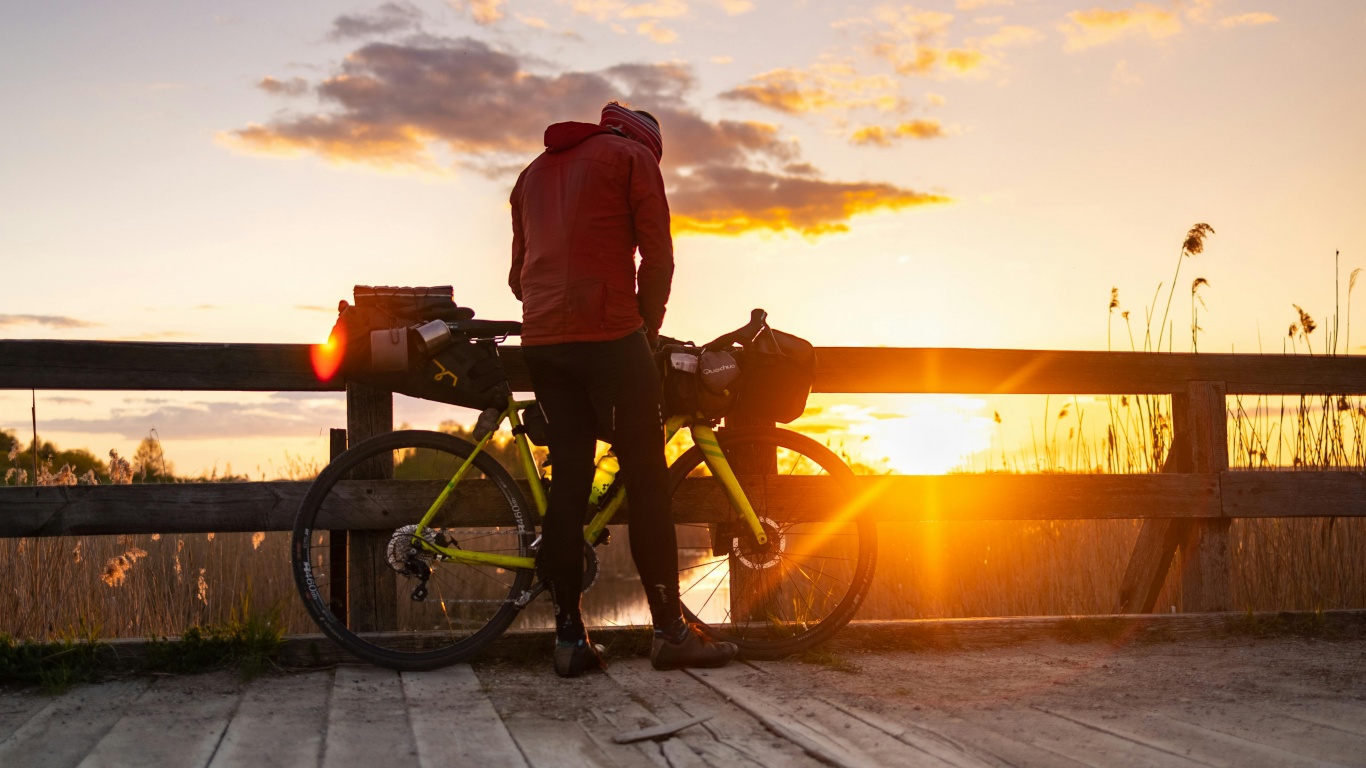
589,319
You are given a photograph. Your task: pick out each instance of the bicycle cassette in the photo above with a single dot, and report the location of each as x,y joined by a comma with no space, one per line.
401,547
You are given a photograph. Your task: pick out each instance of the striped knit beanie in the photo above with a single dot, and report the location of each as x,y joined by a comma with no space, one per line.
635,126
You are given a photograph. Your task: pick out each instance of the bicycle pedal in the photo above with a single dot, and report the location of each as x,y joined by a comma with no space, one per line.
604,537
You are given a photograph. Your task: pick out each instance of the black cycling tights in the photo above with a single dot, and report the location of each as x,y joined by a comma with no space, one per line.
607,389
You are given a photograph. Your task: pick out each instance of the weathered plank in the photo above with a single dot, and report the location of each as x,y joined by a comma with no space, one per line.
367,721
1157,541
454,723
548,743
70,725
1334,493
117,365
1073,740
278,724
1204,547
358,504
1175,737
730,737
187,715
1270,729
371,600
823,731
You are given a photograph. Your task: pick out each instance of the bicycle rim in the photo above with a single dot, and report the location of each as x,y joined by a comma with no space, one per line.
347,582
811,577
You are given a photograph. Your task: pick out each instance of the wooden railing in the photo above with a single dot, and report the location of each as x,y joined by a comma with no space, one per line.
1187,509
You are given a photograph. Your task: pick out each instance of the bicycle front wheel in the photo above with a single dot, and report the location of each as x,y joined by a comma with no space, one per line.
807,582
350,546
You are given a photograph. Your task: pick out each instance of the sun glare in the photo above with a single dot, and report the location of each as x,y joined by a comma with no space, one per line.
327,357
914,435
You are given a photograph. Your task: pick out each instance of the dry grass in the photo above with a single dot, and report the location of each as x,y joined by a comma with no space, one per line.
140,586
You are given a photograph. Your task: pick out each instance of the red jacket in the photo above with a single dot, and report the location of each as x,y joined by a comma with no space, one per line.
579,211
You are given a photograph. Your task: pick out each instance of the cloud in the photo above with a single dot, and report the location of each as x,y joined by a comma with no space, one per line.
918,42
1100,26
51,321
882,137
721,200
295,86
390,17
280,416
735,7
1254,19
405,104
650,13
659,9
535,22
652,29
826,87
483,12
970,5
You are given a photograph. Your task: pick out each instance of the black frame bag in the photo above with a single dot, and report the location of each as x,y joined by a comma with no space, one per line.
779,371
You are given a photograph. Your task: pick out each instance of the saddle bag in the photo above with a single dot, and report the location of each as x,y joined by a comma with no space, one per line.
779,371
698,382
379,347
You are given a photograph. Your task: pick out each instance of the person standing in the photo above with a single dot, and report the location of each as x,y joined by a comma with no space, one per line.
590,318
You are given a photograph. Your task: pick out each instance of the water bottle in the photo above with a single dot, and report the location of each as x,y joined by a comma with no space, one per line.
603,475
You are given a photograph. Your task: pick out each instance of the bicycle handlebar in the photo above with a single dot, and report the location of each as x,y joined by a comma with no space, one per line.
742,336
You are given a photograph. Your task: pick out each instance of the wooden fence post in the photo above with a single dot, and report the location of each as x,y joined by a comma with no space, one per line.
336,540
372,598
751,593
1157,540
1204,546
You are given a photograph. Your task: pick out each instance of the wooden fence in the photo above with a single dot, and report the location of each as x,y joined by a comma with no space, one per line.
1187,509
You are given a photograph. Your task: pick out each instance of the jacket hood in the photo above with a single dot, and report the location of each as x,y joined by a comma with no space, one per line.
562,136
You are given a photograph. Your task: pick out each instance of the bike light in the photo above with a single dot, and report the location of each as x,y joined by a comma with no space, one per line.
433,337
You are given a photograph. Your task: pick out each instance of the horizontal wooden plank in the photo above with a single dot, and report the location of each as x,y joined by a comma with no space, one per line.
379,504
1022,371
1294,494
117,365
130,365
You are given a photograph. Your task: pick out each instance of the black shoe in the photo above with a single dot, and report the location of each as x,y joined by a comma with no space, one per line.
573,659
694,650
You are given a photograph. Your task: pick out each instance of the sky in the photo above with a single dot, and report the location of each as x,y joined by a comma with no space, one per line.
971,173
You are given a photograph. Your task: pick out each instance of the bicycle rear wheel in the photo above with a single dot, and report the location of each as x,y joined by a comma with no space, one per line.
366,604
811,577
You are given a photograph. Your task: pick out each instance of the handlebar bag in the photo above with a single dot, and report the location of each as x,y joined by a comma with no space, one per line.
779,369
697,381
379,350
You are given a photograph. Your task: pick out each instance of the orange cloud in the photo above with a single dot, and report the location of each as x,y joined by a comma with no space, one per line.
914,129
295,86
407,105
1248,20
1099,26
917,42
826,87
736,201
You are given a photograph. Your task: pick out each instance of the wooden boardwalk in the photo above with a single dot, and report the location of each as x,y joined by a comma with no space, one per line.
1226,702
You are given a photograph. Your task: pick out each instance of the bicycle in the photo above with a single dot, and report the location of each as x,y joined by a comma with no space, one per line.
754,569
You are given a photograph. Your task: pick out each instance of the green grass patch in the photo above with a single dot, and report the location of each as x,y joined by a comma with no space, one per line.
55,665
250,640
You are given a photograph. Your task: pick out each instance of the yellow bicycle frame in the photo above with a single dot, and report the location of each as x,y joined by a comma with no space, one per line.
704,437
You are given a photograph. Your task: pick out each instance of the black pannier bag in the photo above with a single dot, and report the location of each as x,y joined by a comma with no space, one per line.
779,370
380,348
698,381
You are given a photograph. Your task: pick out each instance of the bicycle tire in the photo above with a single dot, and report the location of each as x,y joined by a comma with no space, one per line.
836,560
473,605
